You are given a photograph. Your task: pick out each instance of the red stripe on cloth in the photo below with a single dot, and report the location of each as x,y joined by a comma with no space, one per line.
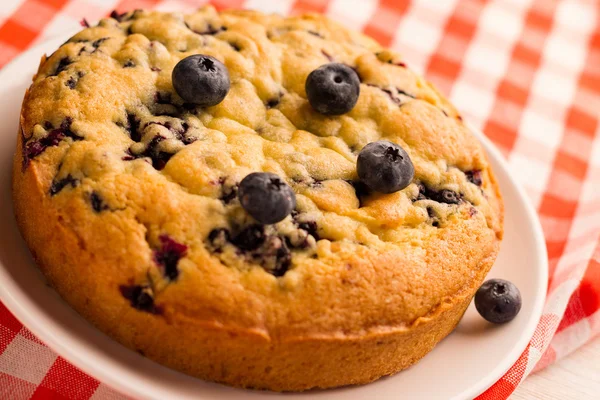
43,393
13,31
13,388
66,382
56,4
585,301
6,337
9,327
544,331
19,35
8,320
569,163
390,11
508,90
547,358
460,29
505,386
579,119
129,5
555,206
308,6
225,4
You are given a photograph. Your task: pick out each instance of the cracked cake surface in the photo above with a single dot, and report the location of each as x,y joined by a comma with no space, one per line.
128,198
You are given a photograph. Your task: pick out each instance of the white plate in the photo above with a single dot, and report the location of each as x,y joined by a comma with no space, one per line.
460,367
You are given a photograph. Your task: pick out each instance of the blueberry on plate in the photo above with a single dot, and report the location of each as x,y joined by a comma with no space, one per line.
498,301
201,80
333,89
266,197
384,167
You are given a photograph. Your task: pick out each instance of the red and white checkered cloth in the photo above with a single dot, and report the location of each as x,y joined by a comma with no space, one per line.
526,72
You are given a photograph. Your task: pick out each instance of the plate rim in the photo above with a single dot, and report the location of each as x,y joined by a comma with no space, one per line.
53,340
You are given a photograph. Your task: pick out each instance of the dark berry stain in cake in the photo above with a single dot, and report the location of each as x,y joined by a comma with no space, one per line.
283,261
74,79
392,62
433,217
162,98
235,46
129,156
168,256
268,250
62,65
273,102
445,196
140,297
474,177
250,238
120,17
276,257
133,127
53,138
361,191
96,43
388,92
210,30
60,184
218,238
97,202
404,93
129,64
314,33
159,158
392,95
228,193
310,227
328,56
179,133
155,69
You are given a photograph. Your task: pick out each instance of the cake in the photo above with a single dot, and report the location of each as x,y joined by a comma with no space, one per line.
140,207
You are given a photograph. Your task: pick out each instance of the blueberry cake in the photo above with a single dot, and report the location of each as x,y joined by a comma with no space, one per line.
267,202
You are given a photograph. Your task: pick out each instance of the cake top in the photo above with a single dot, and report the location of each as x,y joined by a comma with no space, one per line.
150,182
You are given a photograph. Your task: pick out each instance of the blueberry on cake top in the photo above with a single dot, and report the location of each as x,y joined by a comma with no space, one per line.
262,201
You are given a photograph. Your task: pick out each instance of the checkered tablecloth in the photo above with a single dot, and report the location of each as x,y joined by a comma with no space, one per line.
527,72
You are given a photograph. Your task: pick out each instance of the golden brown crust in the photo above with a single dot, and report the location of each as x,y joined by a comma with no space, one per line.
371,299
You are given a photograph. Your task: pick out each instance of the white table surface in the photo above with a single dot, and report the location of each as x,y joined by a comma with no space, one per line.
575,377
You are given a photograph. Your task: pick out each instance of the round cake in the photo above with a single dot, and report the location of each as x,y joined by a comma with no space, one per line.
129,198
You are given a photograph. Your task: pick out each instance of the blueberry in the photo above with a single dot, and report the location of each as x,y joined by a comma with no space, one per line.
250,238
218,238
140,298
201,80
445,196
168,256
498,301
97,202
59,185
385,167
474,177
333,89
310,227
266,197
